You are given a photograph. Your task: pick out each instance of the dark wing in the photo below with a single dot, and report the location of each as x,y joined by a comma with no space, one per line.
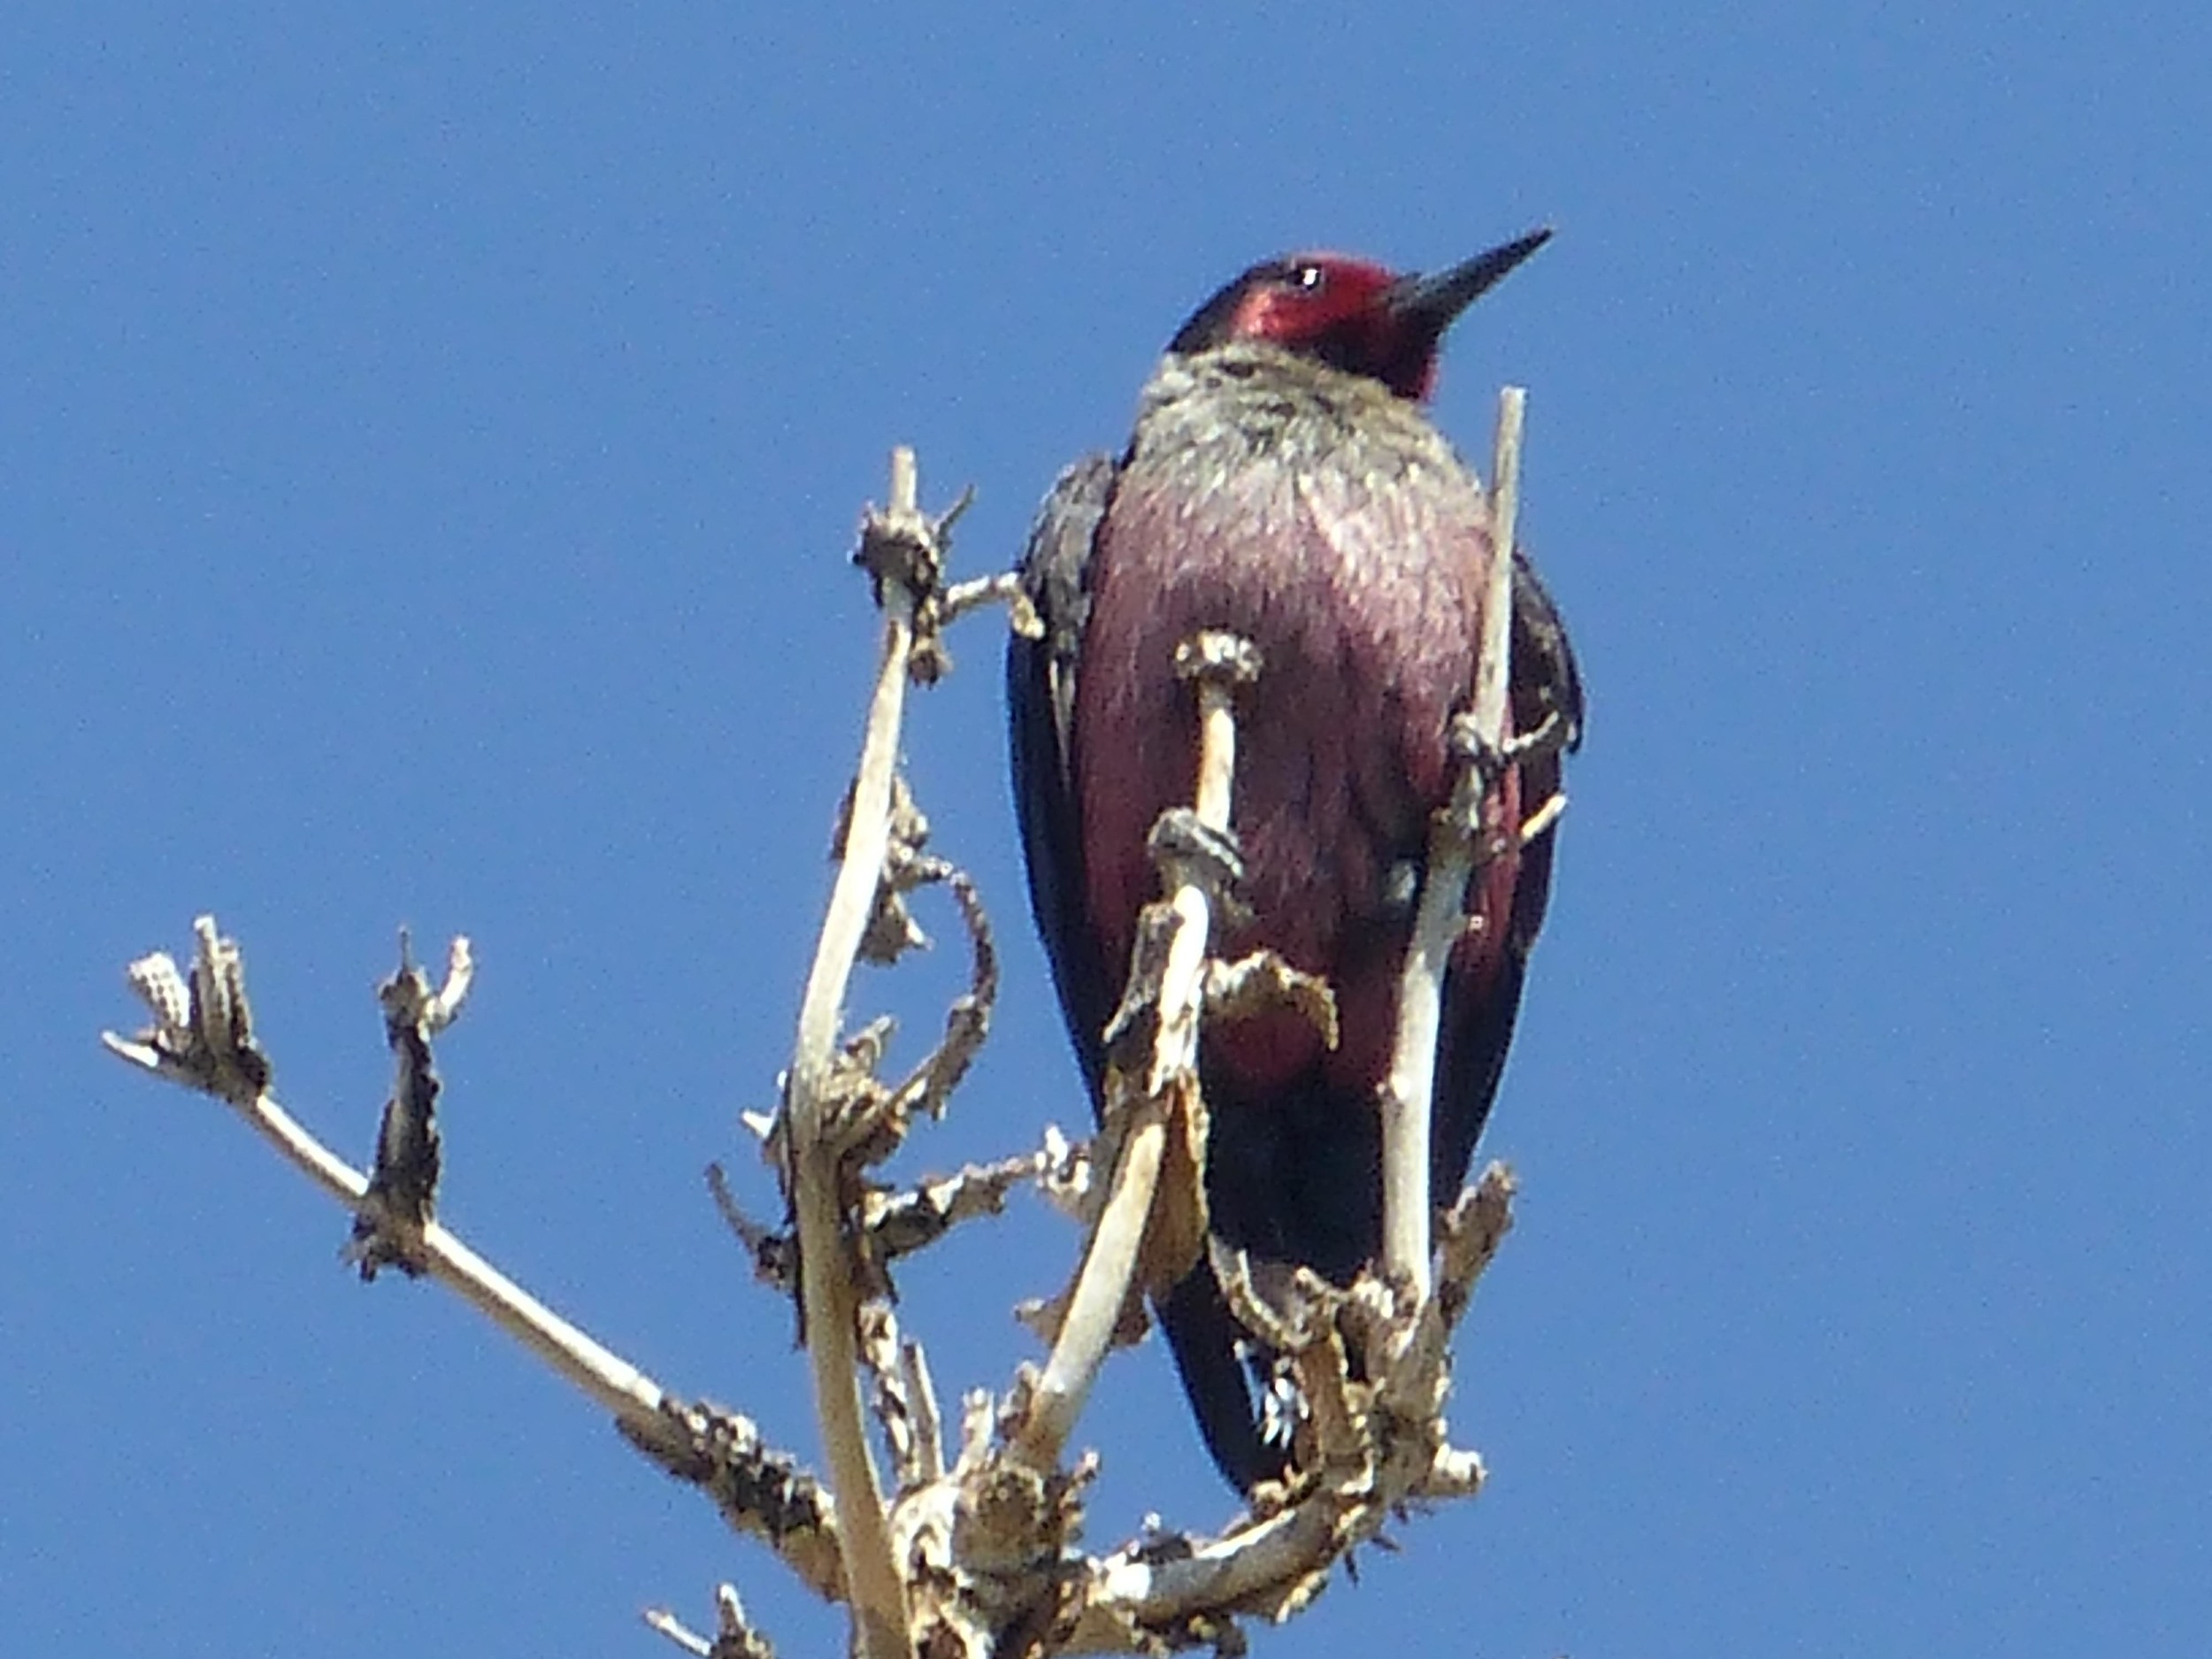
1479,1029
1545,676
1545,680
1040,713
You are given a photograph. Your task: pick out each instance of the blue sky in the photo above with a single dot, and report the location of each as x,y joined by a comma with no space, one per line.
429,447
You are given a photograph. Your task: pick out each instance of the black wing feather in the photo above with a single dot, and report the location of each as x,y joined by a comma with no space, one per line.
1040,709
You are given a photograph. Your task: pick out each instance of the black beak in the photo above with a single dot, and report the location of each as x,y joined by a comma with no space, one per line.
1429,304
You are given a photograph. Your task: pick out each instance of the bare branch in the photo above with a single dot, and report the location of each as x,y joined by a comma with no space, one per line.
1545,816
929,1422
981,1557
1493,668
1468,1236
1408,1094
761,1492
1139,1118
203,1039
902,550
734,1637
1005,589
873,1582
896,1224
661,1621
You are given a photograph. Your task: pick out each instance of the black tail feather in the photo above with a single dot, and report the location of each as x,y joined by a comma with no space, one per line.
1203,1336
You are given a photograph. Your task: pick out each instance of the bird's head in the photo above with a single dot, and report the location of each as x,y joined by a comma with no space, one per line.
1351,313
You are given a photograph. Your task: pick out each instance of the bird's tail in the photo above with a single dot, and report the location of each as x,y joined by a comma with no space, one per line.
1204,1338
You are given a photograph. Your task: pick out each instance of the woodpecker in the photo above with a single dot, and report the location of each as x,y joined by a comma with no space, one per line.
1284,482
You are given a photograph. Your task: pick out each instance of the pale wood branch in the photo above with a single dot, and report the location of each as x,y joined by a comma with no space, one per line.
735,1636
1139,1117
1441,921
203,1039
901,542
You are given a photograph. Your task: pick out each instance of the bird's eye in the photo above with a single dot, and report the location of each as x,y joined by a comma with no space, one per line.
1309,279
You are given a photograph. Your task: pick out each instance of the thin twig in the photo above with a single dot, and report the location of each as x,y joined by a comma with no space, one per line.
202,1039
217,1044
1005,589
1408,1095
609,1378
1102,1286
1545,816
830,1287
1494,672
929,1422
663,1622
894,1223
1219,664
735,1636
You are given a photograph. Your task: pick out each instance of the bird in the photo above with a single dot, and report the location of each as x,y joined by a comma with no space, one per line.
1284,482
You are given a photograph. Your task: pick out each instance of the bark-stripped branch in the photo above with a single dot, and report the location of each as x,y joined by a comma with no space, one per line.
735,1636
1138,1116
203,1039
900,550
1408,1094
894,1223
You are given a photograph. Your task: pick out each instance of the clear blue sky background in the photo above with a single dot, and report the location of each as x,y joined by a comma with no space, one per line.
429,450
